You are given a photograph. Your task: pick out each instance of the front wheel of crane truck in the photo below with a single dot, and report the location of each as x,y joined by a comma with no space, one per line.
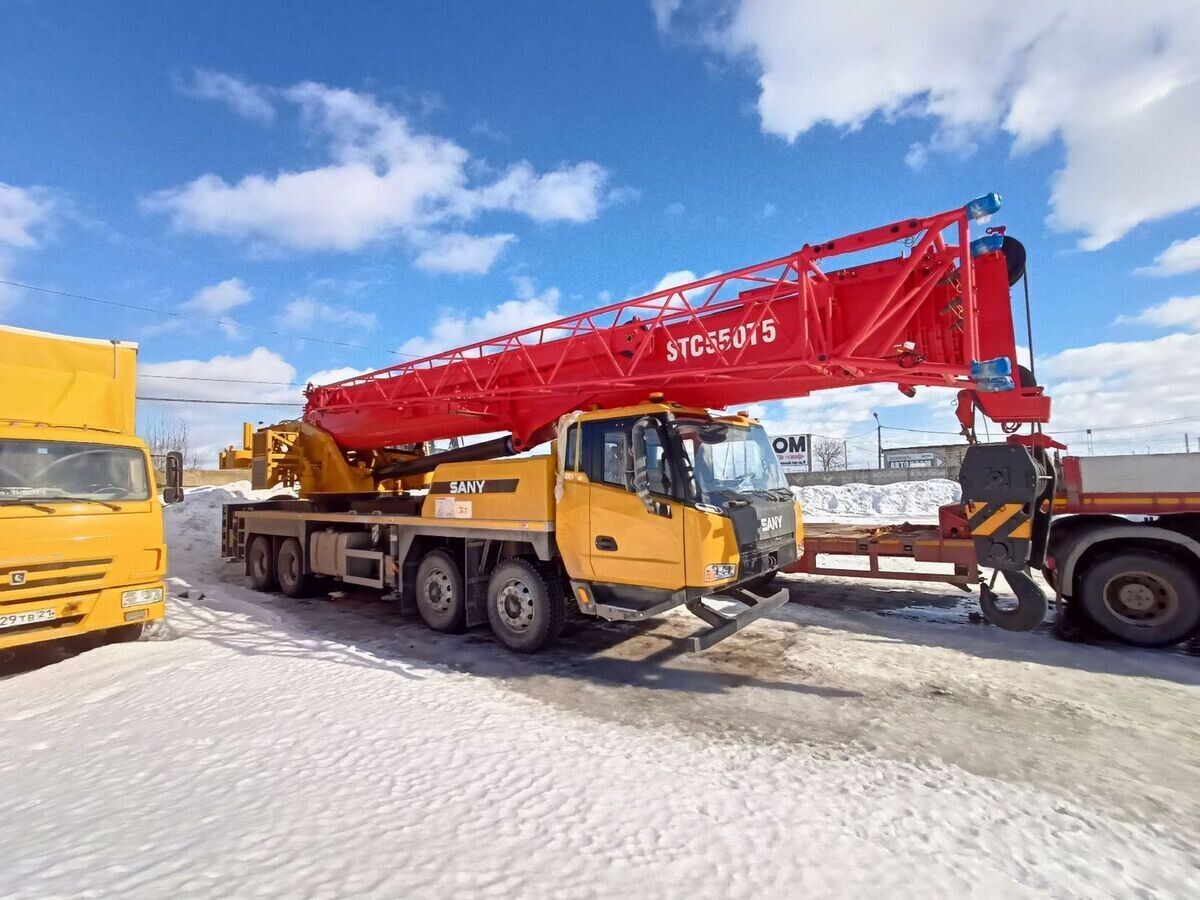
525,614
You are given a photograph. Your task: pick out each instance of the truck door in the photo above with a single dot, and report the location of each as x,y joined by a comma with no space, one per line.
629,545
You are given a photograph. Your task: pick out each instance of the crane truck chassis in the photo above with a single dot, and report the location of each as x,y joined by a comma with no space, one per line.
647,500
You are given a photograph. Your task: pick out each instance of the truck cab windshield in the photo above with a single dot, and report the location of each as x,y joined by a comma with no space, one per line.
49,471
728,460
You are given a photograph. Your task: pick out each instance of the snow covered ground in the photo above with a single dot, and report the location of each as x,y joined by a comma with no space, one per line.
263,746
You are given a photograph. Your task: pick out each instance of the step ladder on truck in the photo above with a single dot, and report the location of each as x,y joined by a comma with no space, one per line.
647,499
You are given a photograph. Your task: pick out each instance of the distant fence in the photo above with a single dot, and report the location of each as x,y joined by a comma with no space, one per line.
872,476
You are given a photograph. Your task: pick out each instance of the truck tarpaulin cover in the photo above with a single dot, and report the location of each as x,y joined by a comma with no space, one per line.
68,381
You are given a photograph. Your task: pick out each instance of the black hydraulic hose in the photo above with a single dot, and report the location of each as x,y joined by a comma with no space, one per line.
492,449
1028,322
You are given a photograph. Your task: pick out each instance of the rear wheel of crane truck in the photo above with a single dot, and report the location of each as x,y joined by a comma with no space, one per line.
524,612
441,592
260,564
1141,597
289,569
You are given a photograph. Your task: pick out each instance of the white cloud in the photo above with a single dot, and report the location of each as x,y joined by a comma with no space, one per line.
384,180
455,329
682,277
568,194
663,11
22,212
332,376
1110,80
212,427
218,299
459,252
211,302
841,410
1172,313
1181,256
1123,384
305,313
247,100
25,214
675,279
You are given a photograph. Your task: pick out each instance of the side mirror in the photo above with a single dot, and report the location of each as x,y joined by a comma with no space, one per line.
173,491
639,479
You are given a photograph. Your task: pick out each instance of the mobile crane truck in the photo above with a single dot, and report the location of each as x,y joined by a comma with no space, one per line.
646,501
81,534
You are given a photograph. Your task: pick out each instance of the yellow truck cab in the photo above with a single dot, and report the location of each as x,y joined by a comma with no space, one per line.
81,532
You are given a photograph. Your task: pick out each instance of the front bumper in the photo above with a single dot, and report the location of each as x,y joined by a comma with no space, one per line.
79,614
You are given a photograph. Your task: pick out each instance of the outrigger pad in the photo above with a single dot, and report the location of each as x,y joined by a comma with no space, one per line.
723,624
1001,485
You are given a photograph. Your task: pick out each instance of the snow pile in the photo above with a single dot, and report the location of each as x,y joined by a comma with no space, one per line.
914,500
193,527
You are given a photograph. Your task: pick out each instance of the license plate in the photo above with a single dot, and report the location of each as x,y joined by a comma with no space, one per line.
12,620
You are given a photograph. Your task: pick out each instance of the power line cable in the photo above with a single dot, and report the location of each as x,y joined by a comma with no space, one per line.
222,380
219,402
188,316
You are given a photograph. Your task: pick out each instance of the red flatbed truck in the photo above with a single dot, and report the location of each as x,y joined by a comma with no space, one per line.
1123,554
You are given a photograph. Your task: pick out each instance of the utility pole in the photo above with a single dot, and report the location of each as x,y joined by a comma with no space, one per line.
845,456
1187,443
879,437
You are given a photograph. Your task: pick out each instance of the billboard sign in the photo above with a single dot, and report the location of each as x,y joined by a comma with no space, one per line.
794,451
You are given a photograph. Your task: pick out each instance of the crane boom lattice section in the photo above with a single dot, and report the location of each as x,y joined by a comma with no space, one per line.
781,328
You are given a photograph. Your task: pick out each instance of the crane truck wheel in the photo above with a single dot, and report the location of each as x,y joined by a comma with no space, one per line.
525,615
1143,598
289,569
441,596
260,562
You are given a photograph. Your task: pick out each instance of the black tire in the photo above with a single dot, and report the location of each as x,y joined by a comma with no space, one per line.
441,592
1143,598
289,569
260,563
524,613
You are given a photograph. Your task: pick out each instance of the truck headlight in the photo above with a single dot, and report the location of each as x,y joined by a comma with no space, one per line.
141,597
719,572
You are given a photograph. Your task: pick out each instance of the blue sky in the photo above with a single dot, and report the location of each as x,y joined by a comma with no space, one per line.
403,176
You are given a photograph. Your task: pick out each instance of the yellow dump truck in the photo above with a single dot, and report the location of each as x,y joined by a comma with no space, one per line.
81,530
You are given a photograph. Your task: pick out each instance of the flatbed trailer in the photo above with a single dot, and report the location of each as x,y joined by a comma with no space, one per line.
1123,554
922,543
